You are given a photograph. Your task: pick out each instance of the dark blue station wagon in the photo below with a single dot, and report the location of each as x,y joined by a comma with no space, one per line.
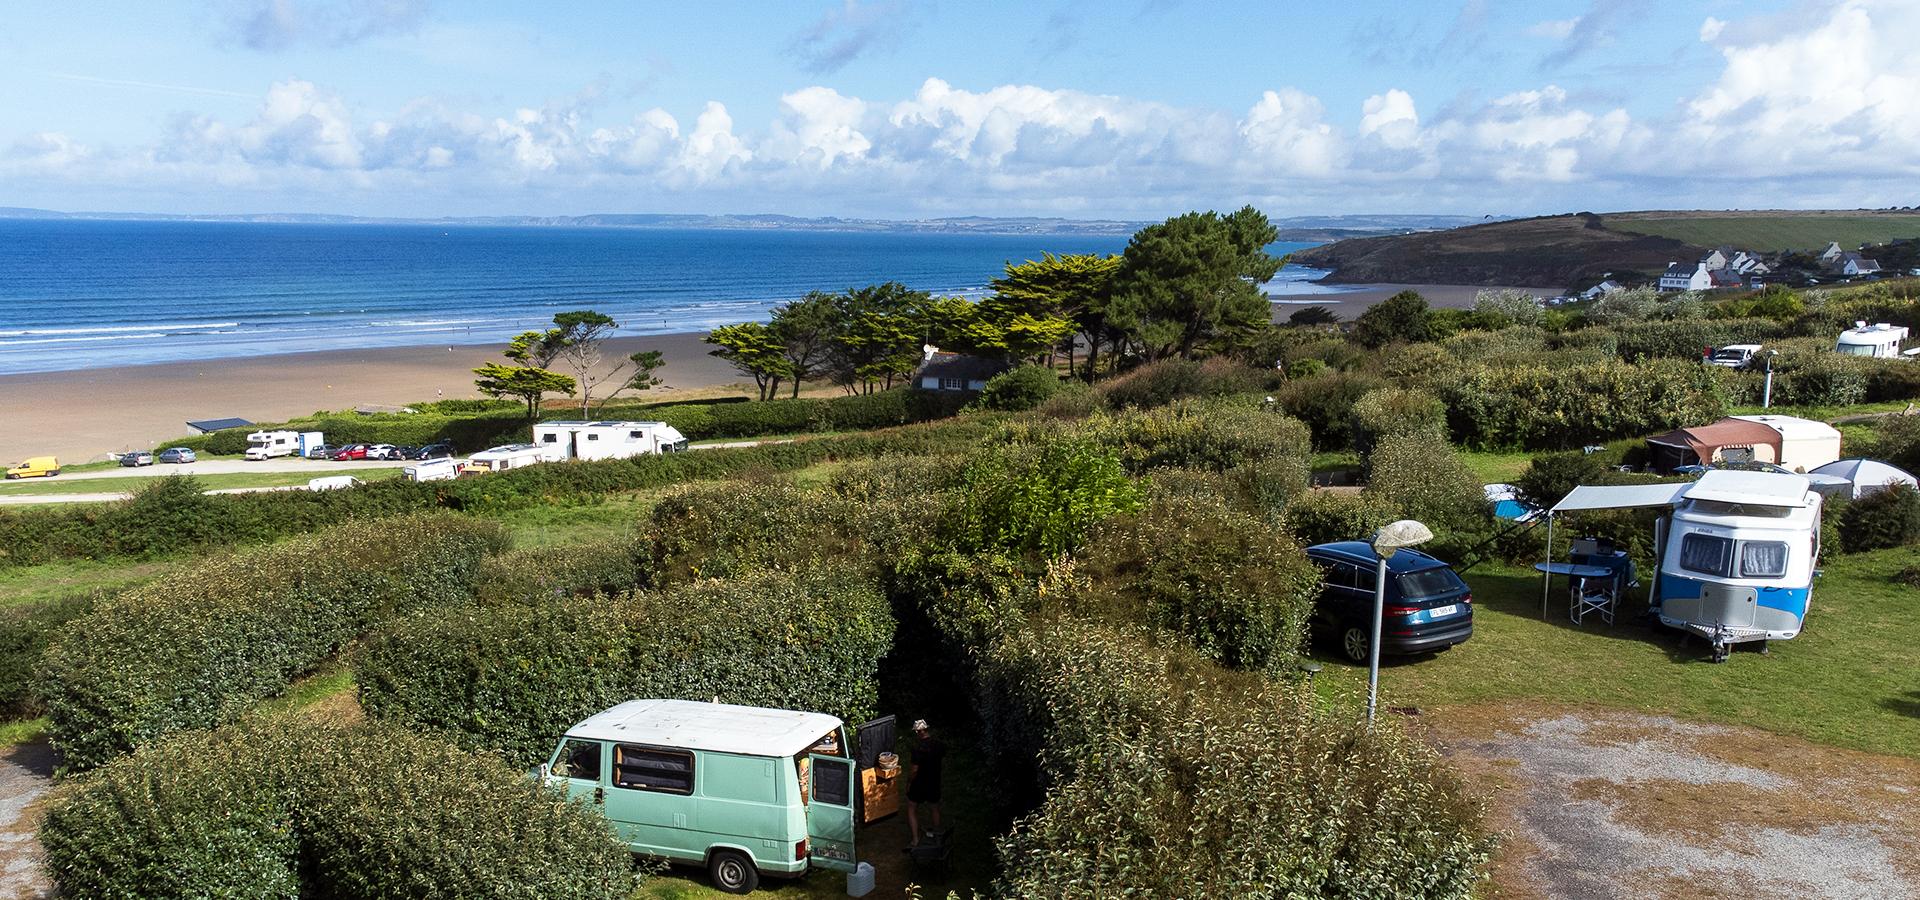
1427,607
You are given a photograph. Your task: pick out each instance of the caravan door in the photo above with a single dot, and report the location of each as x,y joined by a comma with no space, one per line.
830,813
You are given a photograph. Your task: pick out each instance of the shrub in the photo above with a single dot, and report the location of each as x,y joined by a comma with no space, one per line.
1892,380
1217,438
1233,586
1510,306
738,527
1548,407
1687,339
1397,411
1020,389
1325,404
514,679
1074,400
1550,477
1821,379
1884,518
1909,576
1162,382
298,809
1426,480
541,572
1401,317
198,647
1163,785
1898,442
1305,368
25,634
1038,499
1319,517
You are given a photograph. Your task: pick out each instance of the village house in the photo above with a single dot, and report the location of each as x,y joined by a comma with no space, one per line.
1682,277
1831,256
944,371
1603,288
1852,264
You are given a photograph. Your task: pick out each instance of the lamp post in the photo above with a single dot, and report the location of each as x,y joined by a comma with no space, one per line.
1386,542
1766,395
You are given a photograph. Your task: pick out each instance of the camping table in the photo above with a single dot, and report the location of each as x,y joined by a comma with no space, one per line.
1574,572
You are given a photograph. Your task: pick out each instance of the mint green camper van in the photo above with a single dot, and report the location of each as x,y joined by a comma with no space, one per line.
743,790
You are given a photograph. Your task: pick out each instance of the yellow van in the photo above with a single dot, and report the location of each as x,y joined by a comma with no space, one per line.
37,467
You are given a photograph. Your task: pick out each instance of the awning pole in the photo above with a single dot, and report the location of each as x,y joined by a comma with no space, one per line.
1546,576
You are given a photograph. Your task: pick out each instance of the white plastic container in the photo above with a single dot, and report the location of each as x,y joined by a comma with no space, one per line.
860,880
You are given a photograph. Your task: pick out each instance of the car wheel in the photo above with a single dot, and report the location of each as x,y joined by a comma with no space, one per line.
733,872
1355,642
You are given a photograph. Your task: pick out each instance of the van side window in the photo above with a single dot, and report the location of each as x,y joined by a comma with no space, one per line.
832,782
579,759
646,769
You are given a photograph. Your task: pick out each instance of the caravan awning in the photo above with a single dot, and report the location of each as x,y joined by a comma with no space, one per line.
1620,496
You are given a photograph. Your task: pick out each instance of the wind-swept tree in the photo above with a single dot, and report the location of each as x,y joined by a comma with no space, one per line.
525,376
756,351
806,329
1194,279
1076,287
578,340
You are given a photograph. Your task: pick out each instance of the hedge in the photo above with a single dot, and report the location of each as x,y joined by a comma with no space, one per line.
1165,784
1547,407
1424,479
1216,436
513,679
1392,411
198,647
1321,517
299,809
1889,517
1160,383
1020,389
1237,589
34,535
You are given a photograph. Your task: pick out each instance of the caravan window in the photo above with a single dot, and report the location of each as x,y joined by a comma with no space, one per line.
1707,554
645,769
1763,559
550,439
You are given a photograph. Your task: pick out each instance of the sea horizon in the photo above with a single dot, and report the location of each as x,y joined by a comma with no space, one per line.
95,293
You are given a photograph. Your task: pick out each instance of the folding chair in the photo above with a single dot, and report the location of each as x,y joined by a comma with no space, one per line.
1594,595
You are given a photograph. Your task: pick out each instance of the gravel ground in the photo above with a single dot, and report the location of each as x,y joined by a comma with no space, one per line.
24,773
1605,804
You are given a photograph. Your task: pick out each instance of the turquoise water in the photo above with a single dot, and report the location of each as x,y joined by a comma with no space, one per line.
88,294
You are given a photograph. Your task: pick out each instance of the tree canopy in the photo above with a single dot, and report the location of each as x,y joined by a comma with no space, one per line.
1193,280
525,377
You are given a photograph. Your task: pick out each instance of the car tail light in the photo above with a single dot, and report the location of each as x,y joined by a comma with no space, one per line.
800,851
1466,598
1400,610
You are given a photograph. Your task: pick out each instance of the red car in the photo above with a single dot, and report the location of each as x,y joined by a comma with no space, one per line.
351,451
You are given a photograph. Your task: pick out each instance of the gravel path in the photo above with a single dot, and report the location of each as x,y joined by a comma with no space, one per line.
1599,805
24,774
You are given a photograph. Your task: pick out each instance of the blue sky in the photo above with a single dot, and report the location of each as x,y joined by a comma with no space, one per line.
903,108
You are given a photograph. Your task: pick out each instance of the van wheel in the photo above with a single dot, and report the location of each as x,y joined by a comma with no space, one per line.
733,872
1354,643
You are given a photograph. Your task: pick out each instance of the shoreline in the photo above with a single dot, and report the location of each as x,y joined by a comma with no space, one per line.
81,415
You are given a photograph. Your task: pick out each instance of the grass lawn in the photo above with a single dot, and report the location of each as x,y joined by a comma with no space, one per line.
552,526
1848,680
1496,468
66,485
26,585
1773,233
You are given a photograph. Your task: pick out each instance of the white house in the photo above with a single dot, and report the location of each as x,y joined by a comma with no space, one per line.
1679,277
1605,287
1831,255
943,371
1855,264
1717,258
606,440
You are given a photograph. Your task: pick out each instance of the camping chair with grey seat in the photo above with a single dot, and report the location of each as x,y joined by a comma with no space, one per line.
1600,575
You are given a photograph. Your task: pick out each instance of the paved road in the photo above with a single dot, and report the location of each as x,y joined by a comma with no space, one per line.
233,466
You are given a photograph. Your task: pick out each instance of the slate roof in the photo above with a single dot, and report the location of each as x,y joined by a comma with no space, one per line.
961,366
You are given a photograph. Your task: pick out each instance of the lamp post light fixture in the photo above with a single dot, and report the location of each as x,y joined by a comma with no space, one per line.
1386,542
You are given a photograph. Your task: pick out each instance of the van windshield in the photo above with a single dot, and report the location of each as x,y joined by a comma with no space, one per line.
1428,583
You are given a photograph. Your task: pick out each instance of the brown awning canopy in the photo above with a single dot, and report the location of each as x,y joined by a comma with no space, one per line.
1705,439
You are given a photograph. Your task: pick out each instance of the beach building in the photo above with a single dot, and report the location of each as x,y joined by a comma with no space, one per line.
1602,289
1682,277
606,440
943,371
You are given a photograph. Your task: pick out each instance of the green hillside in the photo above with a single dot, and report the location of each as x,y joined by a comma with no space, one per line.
1774,232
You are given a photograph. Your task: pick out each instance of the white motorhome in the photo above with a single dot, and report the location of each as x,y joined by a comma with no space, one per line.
607,440
269,444
333,483
1880,340
500,459
445,468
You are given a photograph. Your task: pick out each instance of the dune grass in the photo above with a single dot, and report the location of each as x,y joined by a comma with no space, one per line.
1848,680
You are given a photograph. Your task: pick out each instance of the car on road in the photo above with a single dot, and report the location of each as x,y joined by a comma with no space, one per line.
136,458
177,455
1427,606
320,451
384,451
437,450
35,467
350,451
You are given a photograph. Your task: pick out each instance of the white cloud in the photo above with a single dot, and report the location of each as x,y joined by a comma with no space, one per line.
1711,29
1284,130
1553,29
1391,119
283,24
816,127
712,147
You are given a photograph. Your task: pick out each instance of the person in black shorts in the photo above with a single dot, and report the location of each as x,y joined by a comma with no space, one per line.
923,786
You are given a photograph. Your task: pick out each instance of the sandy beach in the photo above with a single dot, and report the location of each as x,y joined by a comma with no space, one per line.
81,416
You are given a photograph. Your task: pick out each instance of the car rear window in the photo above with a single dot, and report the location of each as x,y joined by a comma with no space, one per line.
1428,583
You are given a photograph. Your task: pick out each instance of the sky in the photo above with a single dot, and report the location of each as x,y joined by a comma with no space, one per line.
1133,109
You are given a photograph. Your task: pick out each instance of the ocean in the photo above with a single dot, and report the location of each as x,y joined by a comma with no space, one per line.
80,294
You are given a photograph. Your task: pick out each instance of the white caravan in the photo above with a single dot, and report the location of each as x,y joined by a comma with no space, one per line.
500,459
1880,341
269,444
607,440
445,468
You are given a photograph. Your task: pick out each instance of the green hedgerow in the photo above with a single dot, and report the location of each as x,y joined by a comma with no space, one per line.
300,809
1020,389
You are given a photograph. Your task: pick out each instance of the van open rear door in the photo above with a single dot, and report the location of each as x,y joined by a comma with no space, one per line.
830,813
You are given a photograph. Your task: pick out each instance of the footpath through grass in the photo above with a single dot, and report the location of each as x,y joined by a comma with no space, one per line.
1848,680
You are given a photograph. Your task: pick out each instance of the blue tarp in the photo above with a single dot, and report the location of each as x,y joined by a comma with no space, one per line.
206,425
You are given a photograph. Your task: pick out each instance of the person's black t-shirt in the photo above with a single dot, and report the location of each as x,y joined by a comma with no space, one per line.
928,757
